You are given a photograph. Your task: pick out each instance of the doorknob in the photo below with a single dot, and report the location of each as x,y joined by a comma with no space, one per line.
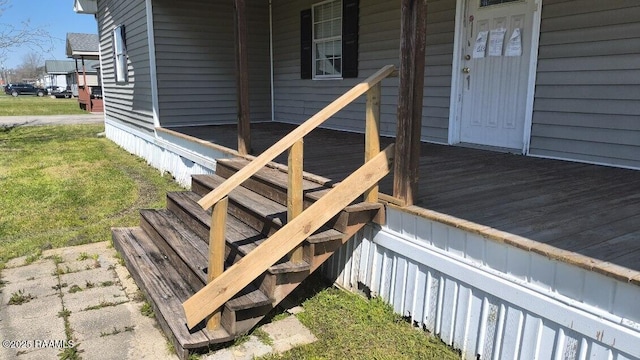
466,70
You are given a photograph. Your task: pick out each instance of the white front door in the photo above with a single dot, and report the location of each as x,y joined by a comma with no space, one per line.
495,67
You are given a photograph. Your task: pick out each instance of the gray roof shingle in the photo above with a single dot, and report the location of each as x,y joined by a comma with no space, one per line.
59,66
69,66
82,44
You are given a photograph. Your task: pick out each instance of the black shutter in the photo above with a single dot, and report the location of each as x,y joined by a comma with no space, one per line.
350,17
306,43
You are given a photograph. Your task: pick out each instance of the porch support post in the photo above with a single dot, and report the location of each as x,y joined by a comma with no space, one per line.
242,78
86,87
411,73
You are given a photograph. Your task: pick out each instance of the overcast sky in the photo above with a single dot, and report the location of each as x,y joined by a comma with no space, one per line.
58,18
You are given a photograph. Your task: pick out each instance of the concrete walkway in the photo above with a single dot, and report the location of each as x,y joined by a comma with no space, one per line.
51,120
82,299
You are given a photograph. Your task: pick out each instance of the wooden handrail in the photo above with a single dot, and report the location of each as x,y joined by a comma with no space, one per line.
286,142
221,289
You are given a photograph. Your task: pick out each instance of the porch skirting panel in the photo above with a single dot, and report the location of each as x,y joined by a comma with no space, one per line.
488,298
166,155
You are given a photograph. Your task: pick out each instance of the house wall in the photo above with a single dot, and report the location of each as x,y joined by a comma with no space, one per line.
129,103
92,79
75,80
489,298
587,101
296,99
195,59
59,80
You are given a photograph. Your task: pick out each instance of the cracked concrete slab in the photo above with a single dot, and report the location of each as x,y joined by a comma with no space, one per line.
284,335
94,297
114,328
288,333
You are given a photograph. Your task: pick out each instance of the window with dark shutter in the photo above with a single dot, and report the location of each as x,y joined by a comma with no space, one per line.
350,15
306,44
329,40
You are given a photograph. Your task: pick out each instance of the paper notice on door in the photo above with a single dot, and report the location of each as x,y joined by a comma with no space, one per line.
496,41
514,46
480,46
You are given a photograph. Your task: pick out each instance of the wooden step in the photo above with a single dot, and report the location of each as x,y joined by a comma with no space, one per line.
270,182
240,237
273,183
168,254
185,250
162,284
264,215
154,273
189,253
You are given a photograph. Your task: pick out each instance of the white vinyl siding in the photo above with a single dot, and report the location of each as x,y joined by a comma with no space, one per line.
487,298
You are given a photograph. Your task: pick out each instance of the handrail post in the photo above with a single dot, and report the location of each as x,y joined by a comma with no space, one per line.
216,250
295,195
372,135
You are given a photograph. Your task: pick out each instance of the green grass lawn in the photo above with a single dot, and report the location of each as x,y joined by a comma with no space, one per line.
33,105
350,327
63,185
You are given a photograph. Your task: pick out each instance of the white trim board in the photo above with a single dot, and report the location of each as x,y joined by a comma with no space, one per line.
164,155
153,71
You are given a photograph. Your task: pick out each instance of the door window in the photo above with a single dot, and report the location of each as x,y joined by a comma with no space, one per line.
484,3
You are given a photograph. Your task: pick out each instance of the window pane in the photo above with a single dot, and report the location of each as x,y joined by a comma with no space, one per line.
336,9
336,27
327,33
494,2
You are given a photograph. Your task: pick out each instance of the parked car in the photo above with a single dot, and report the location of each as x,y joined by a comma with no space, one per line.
19,89
53,89
67,94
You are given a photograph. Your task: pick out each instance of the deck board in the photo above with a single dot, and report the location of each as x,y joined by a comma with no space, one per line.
589,209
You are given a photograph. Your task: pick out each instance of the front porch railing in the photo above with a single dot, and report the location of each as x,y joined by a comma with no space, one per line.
225,284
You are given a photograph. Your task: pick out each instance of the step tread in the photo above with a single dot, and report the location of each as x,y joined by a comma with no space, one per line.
183,241
280,178
238,234
190,246
146,263
264,207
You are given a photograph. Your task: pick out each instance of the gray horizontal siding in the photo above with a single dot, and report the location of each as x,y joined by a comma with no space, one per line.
127,103
195,61
587,104
296,100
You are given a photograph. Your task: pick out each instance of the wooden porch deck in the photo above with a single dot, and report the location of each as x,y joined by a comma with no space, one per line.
588,209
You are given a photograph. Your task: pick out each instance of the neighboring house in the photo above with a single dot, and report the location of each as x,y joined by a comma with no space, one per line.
85,50
60,73
76,77
542,78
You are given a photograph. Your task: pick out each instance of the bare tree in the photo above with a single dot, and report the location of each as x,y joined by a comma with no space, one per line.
32,67
22,33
